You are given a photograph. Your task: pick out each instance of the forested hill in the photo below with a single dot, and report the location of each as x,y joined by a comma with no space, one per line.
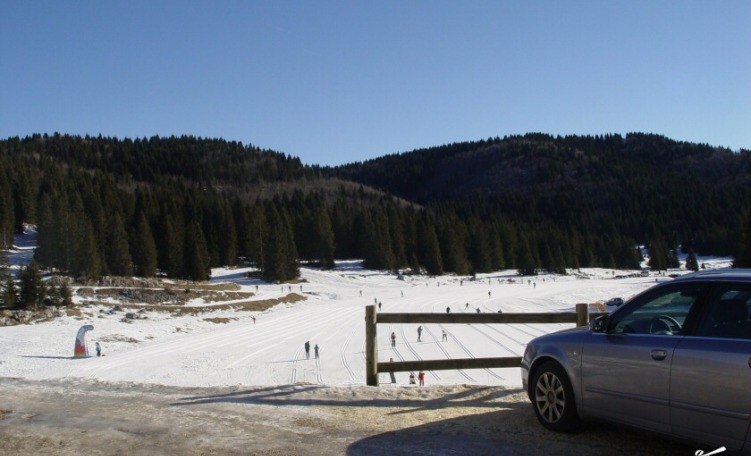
181,205
642,186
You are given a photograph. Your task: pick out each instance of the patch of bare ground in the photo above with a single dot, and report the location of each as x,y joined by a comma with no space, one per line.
71,418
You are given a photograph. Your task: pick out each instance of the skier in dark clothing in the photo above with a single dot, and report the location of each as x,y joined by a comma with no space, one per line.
419,333
393,339
315,350
307,349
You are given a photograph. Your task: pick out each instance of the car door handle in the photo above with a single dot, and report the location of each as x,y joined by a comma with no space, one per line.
659,355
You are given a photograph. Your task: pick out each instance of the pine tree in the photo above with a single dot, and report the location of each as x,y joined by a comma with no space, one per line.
743,249
527,265
658,256
455,256
198,261
431,257
33,291
171,250
119,261
279,252
324,239
143,248
86,260
7,219
481,255
691,262
10,293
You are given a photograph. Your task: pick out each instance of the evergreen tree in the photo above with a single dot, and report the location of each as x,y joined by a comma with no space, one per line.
527,265
33,291
431,257
691,262
143,247
119,261
198,261
7,218
481,257
10,293
227,229
324,239
86,260
497,258
658,256
279,252
673,261
171,251
743,249
455,256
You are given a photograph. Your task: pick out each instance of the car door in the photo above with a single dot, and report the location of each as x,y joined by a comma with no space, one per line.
711,376
626,368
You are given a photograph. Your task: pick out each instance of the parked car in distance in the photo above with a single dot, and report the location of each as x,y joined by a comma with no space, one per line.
614,302
674,359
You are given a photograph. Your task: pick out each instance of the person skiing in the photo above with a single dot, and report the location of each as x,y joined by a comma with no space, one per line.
98,349
307,349
448,309
445,336
421,377
315,350
419,333
393,339
411,378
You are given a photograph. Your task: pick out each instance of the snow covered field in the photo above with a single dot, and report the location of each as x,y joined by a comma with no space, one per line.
195,350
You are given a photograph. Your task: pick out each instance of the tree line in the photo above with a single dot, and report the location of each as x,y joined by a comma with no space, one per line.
103,206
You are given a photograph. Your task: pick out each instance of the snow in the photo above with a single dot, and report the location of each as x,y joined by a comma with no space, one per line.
227,348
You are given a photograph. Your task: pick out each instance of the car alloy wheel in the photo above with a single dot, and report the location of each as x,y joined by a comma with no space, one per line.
553,398
550,399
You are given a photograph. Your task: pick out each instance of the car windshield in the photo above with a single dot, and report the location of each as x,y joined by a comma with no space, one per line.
662,312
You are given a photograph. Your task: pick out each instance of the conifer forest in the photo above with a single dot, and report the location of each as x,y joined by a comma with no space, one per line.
179,206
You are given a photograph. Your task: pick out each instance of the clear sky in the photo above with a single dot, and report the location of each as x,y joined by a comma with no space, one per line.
335,82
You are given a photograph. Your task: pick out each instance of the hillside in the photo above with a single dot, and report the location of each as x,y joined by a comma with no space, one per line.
180,206
641,186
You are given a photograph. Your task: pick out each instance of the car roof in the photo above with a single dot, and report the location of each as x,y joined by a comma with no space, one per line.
725,274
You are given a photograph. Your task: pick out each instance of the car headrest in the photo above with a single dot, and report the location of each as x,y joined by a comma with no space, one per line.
731,311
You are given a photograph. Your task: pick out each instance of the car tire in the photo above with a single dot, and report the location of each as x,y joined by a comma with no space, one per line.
553,398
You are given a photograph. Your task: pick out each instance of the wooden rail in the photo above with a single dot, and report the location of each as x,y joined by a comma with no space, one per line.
372,318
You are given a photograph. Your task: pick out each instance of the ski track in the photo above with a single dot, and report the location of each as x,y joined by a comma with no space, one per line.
440,346
343,354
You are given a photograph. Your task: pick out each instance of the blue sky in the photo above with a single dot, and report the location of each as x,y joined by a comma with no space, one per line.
334,82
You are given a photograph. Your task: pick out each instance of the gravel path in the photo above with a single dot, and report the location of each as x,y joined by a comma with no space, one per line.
86,417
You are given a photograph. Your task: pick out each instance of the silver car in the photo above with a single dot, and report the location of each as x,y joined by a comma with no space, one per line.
675,359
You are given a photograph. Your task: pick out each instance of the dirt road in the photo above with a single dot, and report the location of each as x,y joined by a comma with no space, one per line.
85,417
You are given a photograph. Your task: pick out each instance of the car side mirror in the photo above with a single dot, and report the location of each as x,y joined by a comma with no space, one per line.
599,324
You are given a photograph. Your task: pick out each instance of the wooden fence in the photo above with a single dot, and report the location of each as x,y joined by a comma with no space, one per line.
372,319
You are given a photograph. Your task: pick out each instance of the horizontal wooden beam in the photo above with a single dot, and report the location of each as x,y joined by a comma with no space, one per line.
449,364
566,317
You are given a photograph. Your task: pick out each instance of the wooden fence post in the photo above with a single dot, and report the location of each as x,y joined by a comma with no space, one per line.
582,314
371,346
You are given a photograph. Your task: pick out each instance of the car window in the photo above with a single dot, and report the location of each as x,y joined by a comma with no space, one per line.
662,311
727,314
